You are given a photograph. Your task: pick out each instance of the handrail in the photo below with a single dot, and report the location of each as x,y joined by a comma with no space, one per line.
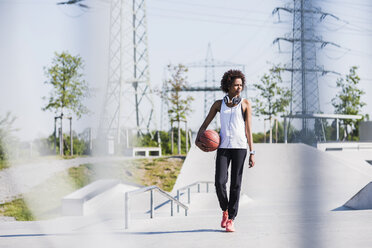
189,191
171,198
151,189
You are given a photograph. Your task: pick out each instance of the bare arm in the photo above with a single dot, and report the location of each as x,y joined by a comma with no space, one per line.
248,129
212,113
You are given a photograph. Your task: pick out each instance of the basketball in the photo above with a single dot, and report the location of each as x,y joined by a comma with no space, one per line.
210,139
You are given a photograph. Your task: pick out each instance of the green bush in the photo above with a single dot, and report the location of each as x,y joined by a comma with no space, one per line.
45,146
151,140
80,146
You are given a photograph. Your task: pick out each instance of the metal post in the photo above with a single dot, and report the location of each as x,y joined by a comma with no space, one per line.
171,207
276,130
159,140
172,137
135,85
152,203
187,138
179,138
264,130
126,210
190,134
285,130
178,198
71,140
271,130
55,133
61,137
198,187
337,130
188,195
90,141
207,187
60,142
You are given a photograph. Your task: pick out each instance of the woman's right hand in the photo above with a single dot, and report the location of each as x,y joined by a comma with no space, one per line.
212,113
200,145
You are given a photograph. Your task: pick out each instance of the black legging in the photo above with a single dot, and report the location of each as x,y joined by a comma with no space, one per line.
237,158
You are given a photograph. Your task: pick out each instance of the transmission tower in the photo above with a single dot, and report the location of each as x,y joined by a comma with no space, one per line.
128,99
210,83
304,69
209,86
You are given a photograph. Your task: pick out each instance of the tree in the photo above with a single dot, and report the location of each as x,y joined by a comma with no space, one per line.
273,99
179,106
348,101
69,89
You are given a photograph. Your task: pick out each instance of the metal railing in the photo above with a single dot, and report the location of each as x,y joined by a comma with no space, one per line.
151,189
188,188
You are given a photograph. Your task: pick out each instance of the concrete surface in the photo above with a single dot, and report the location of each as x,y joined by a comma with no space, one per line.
293,197
80,201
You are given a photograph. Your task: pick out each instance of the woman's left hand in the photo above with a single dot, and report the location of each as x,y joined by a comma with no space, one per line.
251,161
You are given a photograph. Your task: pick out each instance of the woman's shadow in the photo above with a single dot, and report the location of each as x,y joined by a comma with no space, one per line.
176,232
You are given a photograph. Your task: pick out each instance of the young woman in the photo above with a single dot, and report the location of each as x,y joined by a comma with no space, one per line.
235,134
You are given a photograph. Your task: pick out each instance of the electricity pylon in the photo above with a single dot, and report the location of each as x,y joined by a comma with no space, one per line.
209,86
304,69
128,101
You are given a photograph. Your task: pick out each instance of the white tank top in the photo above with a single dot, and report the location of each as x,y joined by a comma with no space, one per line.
232,127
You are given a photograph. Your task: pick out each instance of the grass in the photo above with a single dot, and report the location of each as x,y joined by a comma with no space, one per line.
73,156
3,164
43,200
162,172
17,209
81,175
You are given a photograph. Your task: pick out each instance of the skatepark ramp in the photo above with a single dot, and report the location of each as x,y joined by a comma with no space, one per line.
295,175
362,200
286,201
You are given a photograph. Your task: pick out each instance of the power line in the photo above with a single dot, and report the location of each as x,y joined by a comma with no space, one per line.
206,20
25,2
352,4
224,8
260,30
202,13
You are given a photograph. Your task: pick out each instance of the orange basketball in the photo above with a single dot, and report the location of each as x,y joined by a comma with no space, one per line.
210,139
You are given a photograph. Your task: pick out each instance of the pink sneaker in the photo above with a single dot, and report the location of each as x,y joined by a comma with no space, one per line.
225,217
230,226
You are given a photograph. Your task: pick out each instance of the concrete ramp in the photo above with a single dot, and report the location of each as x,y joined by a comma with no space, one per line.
198,166
286,201
362,200
294,176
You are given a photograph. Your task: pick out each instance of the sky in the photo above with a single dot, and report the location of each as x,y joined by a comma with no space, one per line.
179,31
